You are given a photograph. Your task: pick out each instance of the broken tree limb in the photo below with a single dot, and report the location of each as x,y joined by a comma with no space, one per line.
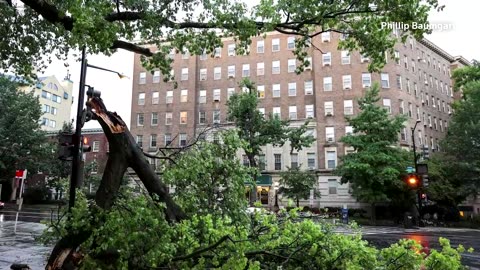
124,153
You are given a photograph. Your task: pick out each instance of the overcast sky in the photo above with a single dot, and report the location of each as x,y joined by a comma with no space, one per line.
117,93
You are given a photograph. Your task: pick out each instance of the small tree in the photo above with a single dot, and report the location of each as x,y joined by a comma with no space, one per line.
297,184
257,130
374,170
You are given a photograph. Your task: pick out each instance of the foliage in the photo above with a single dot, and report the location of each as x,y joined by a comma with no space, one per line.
136,229
209,179
22,143
375,169
37,29
257,130
462,142
91,179
297,184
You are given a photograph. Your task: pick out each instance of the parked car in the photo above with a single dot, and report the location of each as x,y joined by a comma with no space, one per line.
2,205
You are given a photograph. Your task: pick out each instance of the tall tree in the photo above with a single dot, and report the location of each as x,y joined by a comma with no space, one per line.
297,184
37,28
462,142
374,170
257,130
22,143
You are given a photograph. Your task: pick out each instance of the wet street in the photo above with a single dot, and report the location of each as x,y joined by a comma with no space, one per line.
21,247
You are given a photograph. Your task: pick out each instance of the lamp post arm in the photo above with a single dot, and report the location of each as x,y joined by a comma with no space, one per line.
105,69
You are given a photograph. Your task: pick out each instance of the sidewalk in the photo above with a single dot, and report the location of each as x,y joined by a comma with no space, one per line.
21,247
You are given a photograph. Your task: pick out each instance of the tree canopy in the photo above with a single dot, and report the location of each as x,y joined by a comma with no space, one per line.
297,184
38,30
375,167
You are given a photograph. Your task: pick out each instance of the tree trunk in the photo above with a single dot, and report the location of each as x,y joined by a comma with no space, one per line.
298,202
253,194
373,217
124,153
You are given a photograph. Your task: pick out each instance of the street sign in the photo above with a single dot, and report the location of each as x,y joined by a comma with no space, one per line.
410,169
21,174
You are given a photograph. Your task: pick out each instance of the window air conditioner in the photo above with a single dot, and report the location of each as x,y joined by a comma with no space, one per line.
329,114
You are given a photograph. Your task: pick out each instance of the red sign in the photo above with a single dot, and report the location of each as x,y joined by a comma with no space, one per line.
19,173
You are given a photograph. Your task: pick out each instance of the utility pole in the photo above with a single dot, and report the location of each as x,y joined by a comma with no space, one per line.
419,193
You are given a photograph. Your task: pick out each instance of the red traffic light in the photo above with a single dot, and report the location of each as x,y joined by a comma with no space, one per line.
85,140
413,181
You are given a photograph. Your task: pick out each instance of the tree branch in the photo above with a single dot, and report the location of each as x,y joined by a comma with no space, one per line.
202,250
50,13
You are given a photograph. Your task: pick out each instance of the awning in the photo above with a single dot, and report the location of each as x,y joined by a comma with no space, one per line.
262,180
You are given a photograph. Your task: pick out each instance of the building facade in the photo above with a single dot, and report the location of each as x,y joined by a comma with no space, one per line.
416,83
56,100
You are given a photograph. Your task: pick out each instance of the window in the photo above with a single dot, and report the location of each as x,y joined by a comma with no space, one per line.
325,36
276,67
231,71
53,110
409,90
217,73
246,70
245,160
397,57
403,134
308,87
168,118
168,139
410,110
292,65
261,91
262,163
203,74
292,89
348,130
184,76
276,90
278,161
385,80
347,82
140,119
348,107
292,112
139,140
156,76
364,58
203,96
291,43
143,78
153,140
345,57
230,92
275,45
293,161
169,97
260,69
311,160
277,112
96,146
171,55
387,104
327,83
309,111
441,125
46,108
308,63
262,111
413,65
155,97
203,56
183,117
216,116
260,46
418,113
327,59
231,49
332,186
184,95
328,108
415,89
399,82
56,98
65,95
366,80
154,119
45,122
202,118
405,61
330,134
401,107
183,139
331,159
217,53
185,54
216,94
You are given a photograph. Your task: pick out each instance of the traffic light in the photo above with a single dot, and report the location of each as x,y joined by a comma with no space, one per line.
426,153
413,181
65,146
85,147
424,196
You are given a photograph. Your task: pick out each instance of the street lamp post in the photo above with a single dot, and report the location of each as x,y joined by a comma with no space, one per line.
77,170
415,163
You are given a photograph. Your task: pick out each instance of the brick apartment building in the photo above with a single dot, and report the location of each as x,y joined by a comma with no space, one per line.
417,84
